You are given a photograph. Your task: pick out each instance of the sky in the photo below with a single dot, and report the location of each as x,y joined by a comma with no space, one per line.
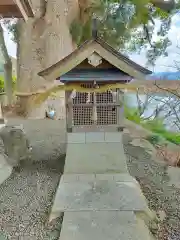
163,64
11,46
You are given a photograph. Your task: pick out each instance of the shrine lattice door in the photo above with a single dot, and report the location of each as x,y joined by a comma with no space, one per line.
106,108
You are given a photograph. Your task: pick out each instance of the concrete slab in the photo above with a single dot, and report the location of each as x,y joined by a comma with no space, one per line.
113,137
95,137
95,158
101,226
5,169
93,195
122,177
76,137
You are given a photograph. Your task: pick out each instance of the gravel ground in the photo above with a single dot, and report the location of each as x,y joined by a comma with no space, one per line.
26,197
153,178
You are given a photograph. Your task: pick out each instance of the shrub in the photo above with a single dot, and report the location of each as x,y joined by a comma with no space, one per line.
154,139
156,125
132,115
172,137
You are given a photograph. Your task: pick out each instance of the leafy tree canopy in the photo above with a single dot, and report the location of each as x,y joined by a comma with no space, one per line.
128,25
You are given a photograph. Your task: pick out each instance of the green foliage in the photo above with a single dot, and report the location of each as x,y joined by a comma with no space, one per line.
158,127
172,137
126,25
154,139
132,115
12,26
155,125
2,83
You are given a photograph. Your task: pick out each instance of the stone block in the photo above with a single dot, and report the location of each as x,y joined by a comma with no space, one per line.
93,137
94,195
113,137
102,225
95,158
76,138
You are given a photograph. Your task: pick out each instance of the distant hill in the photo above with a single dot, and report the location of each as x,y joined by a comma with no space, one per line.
165,75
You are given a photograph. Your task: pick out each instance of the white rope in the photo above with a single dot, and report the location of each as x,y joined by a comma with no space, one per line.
114,95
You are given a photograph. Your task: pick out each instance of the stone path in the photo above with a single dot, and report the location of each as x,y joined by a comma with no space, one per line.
95,153
25,216
97,195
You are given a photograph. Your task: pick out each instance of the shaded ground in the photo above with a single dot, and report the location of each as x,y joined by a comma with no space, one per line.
26,197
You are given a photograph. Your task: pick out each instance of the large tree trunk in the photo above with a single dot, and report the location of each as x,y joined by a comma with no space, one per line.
42,41
8,81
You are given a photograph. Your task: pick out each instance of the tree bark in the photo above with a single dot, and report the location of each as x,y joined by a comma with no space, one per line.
42,41
8,81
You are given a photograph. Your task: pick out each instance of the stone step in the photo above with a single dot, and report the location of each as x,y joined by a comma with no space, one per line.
100,157
103,225
94,137
98,193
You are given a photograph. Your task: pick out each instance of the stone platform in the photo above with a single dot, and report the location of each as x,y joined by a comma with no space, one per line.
5,168
98,197
102,225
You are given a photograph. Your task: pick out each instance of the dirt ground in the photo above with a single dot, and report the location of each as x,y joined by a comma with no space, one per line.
26,197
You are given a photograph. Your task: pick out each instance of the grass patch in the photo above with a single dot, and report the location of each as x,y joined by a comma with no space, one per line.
156,126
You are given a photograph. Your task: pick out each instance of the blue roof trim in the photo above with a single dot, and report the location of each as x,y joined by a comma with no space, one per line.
95,74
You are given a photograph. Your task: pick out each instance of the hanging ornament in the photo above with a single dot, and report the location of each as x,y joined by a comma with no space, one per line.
114,95
88,97
94,110
94,114
95,85
73,94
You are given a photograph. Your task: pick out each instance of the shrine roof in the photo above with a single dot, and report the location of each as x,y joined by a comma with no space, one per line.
104,50
16,9
95,74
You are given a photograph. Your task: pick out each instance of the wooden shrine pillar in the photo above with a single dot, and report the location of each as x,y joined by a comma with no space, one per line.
69,111
120,110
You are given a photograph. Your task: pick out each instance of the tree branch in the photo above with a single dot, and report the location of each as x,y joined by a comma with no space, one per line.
167,90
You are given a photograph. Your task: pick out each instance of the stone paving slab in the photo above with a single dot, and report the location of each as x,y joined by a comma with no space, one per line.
95,158
102,225
92,195
94,137
122,177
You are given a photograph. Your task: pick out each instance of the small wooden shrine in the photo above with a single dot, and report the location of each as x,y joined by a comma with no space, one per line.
16,9
91,75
